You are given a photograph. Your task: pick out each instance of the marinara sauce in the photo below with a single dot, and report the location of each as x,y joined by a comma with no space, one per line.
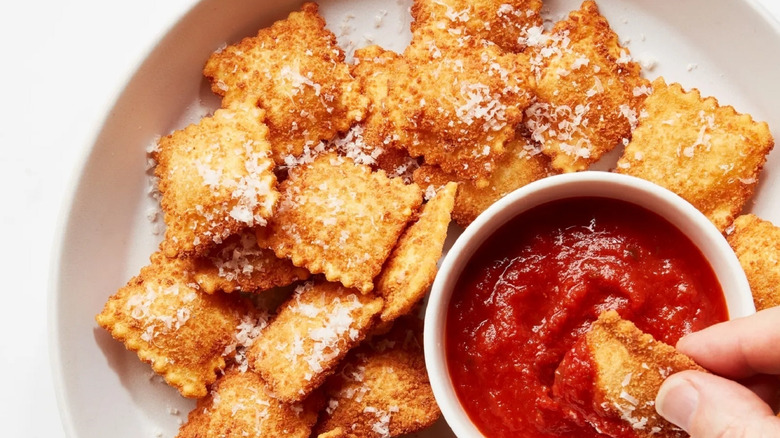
538,283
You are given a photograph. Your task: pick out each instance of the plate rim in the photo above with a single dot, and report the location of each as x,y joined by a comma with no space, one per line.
75,181
65,214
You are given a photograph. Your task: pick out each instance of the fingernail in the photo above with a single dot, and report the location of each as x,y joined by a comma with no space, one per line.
677,401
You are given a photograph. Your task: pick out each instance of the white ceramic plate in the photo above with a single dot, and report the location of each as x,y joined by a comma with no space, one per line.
726,48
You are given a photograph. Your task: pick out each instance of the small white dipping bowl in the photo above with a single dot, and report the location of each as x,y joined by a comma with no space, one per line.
645,194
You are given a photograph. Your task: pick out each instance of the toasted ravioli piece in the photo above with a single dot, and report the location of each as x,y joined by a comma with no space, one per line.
505,23
314,329
708,154
335,433
463,123
412,266
397,163
375,68
249,328
179,330
757,245
215,178
240,405
382,388
521,165
589,90
238,264
612,376
296,72
338,218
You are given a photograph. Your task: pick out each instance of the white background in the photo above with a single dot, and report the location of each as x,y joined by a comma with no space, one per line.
61,67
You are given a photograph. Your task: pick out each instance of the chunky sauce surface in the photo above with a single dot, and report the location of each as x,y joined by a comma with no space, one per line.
538,283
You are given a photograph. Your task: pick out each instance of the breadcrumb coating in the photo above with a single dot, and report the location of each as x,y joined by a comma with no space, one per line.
295,71
314,329
757,245
341,219
708,154
382,389
240,405
628,368
215,179
238,264
504,23
182,332
462,124
411,268
520,165
589,91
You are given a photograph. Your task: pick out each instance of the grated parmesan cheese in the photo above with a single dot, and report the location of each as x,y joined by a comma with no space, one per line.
379,17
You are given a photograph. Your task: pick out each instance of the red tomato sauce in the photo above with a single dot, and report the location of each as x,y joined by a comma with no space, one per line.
538,283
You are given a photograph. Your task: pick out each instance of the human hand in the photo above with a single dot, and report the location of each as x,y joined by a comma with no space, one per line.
708,406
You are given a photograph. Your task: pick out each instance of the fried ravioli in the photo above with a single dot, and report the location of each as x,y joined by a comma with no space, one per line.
179,330
757,245
411,267
314,329
463,123
708,154
238,264
375,68
381,389
627,367
215,178
296,72
339,218
240,405
589,90
520,165
504,23
335,433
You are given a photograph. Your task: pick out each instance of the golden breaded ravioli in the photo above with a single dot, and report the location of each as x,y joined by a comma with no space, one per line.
708,154
240,405
463,122
396,163
295,72
238,264
338,218
375,68
589,90
382,388
504,23
757,245
314,329
216,178
628,368
179,330
520,165
412,266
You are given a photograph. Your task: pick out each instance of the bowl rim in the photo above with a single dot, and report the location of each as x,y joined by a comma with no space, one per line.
679,212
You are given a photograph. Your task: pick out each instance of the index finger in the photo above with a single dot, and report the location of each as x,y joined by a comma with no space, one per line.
738,348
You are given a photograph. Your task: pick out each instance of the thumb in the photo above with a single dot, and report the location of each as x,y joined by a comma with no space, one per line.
708,406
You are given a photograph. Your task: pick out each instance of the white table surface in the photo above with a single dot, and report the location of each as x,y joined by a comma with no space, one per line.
63,64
